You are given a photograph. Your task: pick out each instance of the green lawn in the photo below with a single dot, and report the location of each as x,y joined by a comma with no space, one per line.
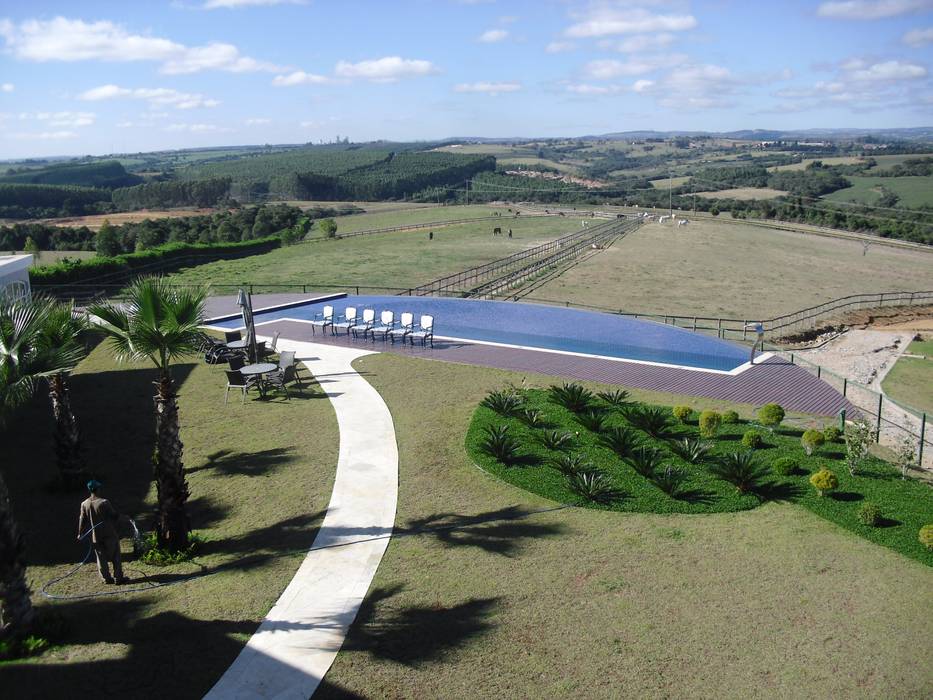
395,260
257,496
910,380
913,190
363,222
487,591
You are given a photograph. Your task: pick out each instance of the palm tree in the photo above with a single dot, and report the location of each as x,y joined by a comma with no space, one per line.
24,359
160,323
62,329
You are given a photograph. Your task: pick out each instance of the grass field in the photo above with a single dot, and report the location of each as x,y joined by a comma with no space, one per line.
50,257
733,270
744,193
396,260
838,160
488,591
535,161
664,183
402,217
913,191
910,380
886,162
257,497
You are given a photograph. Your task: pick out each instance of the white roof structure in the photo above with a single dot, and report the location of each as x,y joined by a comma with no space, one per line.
14,276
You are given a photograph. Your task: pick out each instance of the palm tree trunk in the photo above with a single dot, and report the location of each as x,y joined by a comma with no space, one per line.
173,525
16,613
71,465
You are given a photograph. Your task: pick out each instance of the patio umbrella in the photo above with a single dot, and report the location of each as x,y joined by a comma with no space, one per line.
245,302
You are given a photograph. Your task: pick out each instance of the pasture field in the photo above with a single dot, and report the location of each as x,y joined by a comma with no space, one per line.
886,162
50,257
833,160
914,191
369,207
95,221
744,193
664,183
733,270
487,590
486,149
394,260
402,217
533,161
910,380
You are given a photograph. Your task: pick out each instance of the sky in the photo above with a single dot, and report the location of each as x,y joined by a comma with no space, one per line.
98,77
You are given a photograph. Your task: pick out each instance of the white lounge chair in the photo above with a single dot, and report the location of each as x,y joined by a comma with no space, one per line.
369,317
425,331
404,328
386,324
323,319
349,320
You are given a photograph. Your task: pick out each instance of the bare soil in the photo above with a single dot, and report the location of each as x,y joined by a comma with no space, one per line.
95,221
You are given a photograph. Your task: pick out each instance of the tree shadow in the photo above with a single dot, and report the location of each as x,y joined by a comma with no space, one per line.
846,496
291,534
887,522
778,491
246,463
696,496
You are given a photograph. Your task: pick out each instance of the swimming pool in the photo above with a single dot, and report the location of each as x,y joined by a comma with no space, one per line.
538,326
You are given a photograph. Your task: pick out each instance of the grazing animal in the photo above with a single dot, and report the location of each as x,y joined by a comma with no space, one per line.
497,231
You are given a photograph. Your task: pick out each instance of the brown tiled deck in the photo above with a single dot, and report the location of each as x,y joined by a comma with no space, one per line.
774,380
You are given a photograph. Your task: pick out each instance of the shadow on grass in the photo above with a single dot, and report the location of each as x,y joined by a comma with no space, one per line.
291,534
846,496
246,463
696,496
887,522
778,491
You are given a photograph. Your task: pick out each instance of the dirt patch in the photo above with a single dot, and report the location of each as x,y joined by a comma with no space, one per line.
917,318
95,221
862,355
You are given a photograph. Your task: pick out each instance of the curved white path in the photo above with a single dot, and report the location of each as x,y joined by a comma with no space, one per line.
297,641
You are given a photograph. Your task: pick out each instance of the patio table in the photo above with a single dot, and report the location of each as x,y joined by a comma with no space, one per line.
257,370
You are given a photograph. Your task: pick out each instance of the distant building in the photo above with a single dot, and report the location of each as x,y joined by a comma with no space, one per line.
14,276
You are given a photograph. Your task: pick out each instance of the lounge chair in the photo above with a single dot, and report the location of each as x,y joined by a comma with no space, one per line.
265,352
236,380
323,319
349,320
369,317
404,328
425,331
386,324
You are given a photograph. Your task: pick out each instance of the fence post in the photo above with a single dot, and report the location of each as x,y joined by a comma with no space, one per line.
845,384
878,424
694,323
792,359
819,371
744,329
842,420
923,429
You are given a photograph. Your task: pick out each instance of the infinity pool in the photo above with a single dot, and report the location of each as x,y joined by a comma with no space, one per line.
538,326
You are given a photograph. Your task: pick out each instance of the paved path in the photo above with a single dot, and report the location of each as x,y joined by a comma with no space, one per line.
297,641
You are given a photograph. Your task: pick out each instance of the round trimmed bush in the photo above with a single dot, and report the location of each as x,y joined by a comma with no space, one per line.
869,514
730,417
683,413
926,536
709,423
784,466
770,415
831,433
752,439
824,480
811,439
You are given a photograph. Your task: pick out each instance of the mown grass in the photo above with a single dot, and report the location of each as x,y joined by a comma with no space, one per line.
910,380
912,190
260,476
487,591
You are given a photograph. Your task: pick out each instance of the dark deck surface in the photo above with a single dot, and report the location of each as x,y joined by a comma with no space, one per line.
773,380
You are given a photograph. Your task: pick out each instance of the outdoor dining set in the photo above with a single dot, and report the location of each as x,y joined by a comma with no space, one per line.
251,365
387,328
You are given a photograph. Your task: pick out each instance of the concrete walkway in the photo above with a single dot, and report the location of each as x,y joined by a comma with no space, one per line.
297,641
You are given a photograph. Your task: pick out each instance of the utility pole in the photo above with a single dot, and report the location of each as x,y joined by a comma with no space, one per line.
670,194
468,192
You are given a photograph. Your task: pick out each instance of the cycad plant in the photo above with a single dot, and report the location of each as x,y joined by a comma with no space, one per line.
594,486
615,397
501,444
645,460
652,420
556,439
621,440
568,464
532,417
741,469
160,323
573,397
670,480
692,450
593,420
506,402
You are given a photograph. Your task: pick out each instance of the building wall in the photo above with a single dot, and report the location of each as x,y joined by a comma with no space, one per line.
14,276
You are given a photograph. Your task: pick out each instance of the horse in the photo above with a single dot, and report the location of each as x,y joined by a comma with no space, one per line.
497,231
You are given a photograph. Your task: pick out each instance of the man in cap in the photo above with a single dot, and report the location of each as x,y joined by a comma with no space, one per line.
98,519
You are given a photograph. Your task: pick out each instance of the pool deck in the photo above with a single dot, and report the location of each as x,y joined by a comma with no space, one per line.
773,380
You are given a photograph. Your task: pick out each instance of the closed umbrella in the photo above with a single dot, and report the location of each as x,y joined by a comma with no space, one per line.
245,302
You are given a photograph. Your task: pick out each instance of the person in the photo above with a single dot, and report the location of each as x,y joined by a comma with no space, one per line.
98,519
510,233
759,343
430,235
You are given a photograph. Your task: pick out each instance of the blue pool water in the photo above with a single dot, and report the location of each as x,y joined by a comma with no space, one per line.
540,326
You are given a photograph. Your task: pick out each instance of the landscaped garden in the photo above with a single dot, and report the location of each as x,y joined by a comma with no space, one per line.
601,449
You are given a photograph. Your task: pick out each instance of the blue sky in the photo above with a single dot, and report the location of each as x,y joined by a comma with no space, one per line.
101,77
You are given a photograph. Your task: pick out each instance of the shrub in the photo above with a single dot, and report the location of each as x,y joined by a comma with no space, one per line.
592,420
741,469
926,536
831,433
683,413
869,514
645,460
824,480
594,486
784,466
532,417
752,439
151,553
691,450
620,440
730,417
652,420
859,436
669,480
709,423
615,397
505,403
556,439
500,444
811,439
770,415
573,397
572,464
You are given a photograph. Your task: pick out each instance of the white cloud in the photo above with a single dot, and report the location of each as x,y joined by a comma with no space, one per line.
46,135
198,128
560,46
488,88
642,42
299,77
69,120
7,87
588,89
694,86
608,21
257,121
607,69
889,70
63,39
642,85
385,70
871,9
155,96
216,4
919,37
491,36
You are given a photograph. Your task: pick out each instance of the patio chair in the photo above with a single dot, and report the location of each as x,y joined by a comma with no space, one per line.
349,320
323,319
287,359
386,324
425,331
284,377
230,336
404,328
369,317
236,380
236,362
264,351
